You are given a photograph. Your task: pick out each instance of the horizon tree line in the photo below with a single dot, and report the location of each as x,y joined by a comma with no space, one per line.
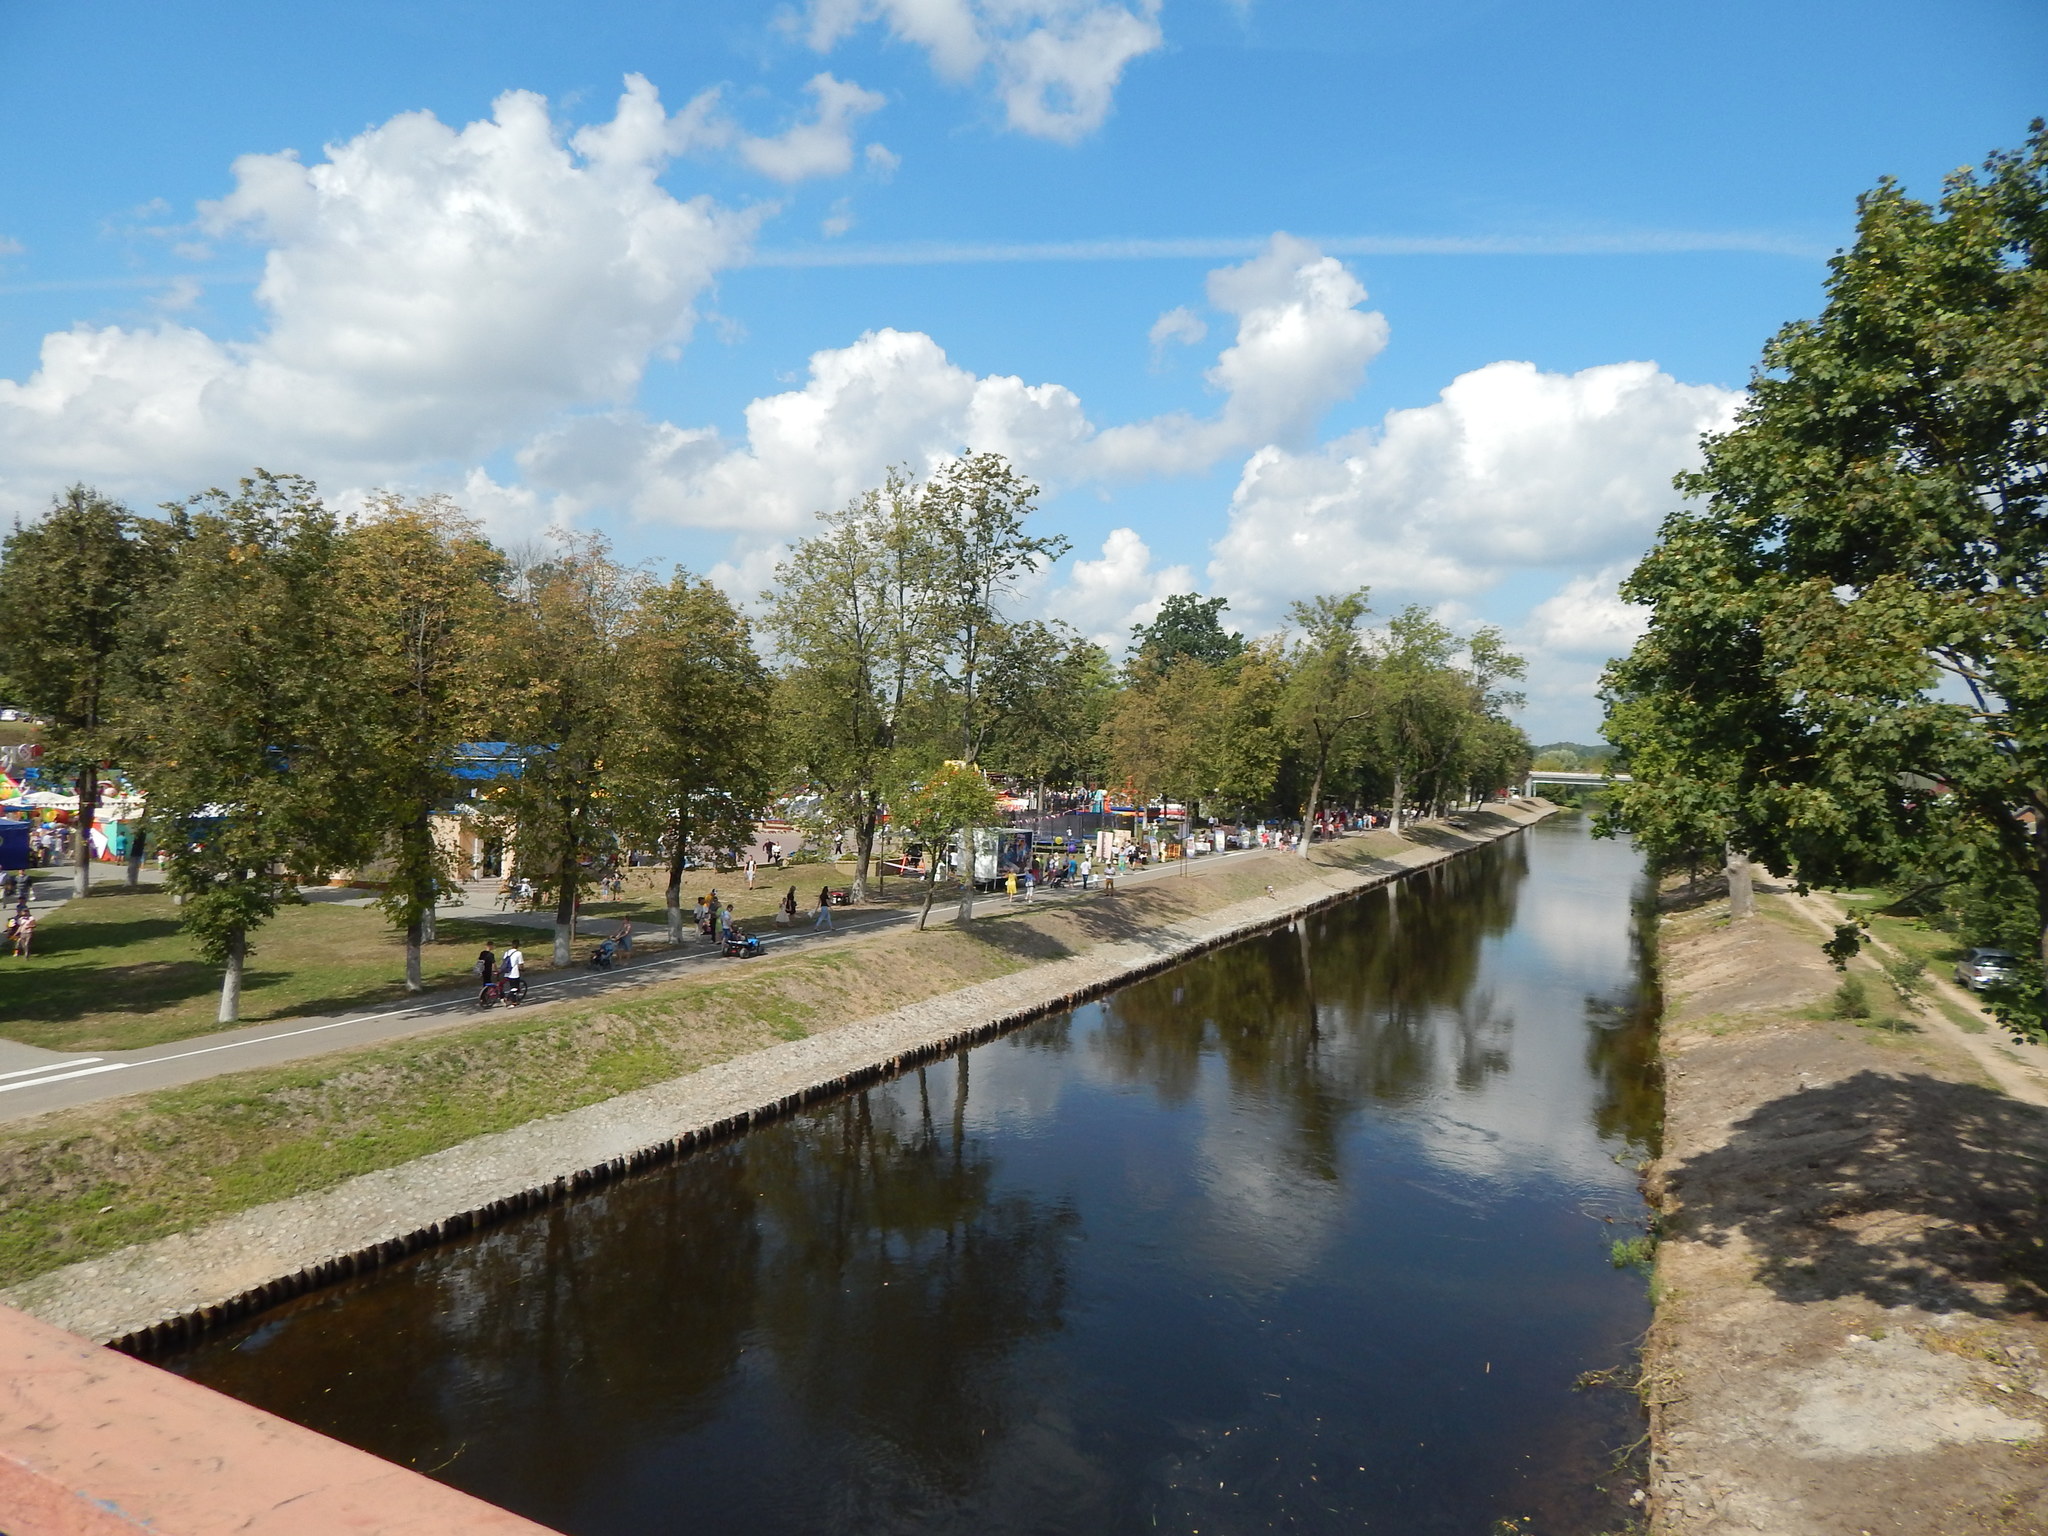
291,689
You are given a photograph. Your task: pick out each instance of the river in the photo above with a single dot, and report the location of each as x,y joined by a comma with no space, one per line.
1308,1234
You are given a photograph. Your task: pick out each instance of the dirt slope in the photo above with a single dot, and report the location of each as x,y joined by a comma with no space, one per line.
1852,1285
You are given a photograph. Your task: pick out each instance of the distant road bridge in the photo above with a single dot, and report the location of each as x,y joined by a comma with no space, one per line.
1554,776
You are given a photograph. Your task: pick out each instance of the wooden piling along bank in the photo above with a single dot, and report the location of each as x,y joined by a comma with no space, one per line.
156,1296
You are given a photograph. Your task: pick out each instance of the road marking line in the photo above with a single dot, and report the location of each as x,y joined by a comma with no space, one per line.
61,1077
51,1066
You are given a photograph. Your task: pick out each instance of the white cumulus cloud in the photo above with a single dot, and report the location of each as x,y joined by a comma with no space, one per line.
1105,596
1179,324
429,293
1054,64
894,397
1302,345
1510,467
1587,617
822,144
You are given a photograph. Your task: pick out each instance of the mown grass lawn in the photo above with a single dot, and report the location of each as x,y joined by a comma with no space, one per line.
115,972
1913,936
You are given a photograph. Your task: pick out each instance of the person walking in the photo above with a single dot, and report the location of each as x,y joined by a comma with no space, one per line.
1087,869
750,871
624,941
824,917
486,964
24,933
513,969
786,918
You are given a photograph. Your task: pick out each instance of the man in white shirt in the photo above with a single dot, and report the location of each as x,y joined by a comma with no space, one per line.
513,969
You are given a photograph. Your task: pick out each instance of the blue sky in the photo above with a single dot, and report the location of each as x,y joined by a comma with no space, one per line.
1272,298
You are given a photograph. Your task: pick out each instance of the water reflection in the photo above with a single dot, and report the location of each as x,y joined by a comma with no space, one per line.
1289,1237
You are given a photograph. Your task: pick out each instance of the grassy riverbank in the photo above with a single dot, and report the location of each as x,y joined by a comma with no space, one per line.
78,1183
115,972
1852,1279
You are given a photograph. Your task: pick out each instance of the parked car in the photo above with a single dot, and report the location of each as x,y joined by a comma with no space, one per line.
1981,968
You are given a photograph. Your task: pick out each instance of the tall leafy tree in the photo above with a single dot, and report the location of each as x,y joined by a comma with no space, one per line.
1198,732
71,585
973,511
561,656
1187,624
1046,690
1332,689
1422,704
951,802
697,769
859,622
424,597
1846,667
250,733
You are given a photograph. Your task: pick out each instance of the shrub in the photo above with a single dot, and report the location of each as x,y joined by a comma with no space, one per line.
1851,999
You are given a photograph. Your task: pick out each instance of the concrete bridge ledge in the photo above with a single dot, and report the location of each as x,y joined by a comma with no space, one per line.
96,1443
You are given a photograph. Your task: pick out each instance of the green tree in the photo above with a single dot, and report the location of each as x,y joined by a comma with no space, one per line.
1155,735
561,665
1846,667
1331,692
858,623
698,768
1187,624
423,595
1046,690
972,512
250,732
1422,704
952,801
1197,732
70,587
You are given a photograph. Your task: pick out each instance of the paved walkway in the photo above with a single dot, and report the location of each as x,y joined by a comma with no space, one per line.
34,1081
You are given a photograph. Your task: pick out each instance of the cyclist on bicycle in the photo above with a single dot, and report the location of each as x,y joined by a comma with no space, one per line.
513,969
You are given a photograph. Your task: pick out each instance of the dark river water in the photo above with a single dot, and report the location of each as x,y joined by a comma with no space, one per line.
1308,1234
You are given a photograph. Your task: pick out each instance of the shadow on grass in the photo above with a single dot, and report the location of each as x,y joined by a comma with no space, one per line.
1902,1190
53,940
1018,940
76,974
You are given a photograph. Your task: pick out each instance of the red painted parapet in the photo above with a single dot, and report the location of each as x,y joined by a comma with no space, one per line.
94,1443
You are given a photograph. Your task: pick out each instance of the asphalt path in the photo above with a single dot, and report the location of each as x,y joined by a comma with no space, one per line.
34,1081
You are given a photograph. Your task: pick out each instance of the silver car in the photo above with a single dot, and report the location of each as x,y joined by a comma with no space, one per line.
1981,968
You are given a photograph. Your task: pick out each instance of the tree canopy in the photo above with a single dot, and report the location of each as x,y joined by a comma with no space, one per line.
297,692
1846,667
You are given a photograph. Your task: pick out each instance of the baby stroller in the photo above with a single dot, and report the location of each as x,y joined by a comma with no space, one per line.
601,957
740,946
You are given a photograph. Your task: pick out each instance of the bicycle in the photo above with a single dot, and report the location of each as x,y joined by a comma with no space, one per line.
498,990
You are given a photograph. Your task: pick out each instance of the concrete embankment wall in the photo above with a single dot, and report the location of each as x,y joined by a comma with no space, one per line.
162,1292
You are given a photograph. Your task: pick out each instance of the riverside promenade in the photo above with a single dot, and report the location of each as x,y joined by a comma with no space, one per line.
34,1081
174,1286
